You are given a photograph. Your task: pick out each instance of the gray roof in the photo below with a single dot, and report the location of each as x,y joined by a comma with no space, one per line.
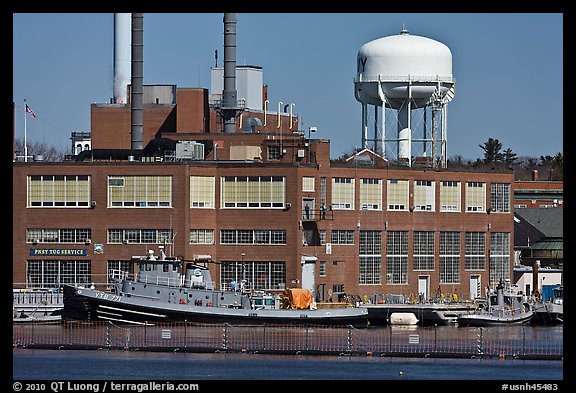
548,221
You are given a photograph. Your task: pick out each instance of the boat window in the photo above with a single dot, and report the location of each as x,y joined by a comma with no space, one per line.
165,268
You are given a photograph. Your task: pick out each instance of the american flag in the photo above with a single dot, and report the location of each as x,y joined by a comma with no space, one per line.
30,111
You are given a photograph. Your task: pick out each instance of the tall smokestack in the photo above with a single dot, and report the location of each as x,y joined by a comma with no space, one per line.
137,91
122,41
229,95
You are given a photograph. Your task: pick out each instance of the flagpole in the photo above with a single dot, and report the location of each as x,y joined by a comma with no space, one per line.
25,144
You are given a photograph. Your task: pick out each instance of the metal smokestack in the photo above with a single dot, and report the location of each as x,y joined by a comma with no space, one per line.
122,41
137,91
229,94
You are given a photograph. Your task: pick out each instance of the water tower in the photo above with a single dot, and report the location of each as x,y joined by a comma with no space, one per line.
408,79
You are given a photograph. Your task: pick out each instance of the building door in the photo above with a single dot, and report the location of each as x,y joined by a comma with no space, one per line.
307,208
423,287
320,294
475,287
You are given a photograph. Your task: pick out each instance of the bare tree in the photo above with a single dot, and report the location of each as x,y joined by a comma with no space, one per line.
48,152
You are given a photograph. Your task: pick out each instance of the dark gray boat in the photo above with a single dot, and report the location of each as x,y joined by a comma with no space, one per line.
160,292
504,306
550,312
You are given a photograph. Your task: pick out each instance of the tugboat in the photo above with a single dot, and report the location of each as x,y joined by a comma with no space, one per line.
551,311
505,306
159,292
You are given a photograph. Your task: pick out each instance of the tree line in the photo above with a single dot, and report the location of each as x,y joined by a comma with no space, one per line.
548,167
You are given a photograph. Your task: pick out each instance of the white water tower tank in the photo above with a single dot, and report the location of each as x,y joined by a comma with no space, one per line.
402,72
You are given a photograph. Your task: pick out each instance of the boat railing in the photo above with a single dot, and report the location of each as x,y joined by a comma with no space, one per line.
160,280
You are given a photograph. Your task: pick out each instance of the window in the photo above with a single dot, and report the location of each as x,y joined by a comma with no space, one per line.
475,254
117,268
449,257
397,194
61,191
253,192
307,184
423,253
342,236
500,198
424,195
139,191
140,236
322,269
263,276
252,236
450,196
342,193
475,196
499,257
371,194
370,257
201,236
46,235
54,273
274,152
397,257
202,192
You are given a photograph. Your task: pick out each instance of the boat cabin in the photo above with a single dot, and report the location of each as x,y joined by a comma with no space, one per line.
167,271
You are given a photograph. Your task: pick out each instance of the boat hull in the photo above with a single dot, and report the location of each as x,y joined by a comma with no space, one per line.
479,320
87,304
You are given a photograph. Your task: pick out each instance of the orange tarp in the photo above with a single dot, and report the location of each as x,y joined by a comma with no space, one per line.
297,298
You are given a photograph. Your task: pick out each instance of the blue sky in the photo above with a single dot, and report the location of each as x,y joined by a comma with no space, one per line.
508,69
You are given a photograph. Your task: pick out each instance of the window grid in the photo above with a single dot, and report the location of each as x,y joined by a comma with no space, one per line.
449,257
253,236
140,236
322,237
475,196
342,193
201,236
322,269
424,195
371,194
308,184
397,194
370,257
253,192
140,191
265,276
475,251
273,152
450,196
499,257
323,191
397,257
114,266
55,273
423,253
58,191
340,236
500,198
202,191
51,235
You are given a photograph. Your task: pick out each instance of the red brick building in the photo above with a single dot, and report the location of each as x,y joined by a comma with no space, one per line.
241,200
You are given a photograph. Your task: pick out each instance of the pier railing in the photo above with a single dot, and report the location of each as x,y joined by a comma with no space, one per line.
400,341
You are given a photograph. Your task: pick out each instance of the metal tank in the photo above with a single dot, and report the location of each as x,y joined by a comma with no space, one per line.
408,80
122,58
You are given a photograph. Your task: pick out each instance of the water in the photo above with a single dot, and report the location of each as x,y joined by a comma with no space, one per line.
135,365
56,365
